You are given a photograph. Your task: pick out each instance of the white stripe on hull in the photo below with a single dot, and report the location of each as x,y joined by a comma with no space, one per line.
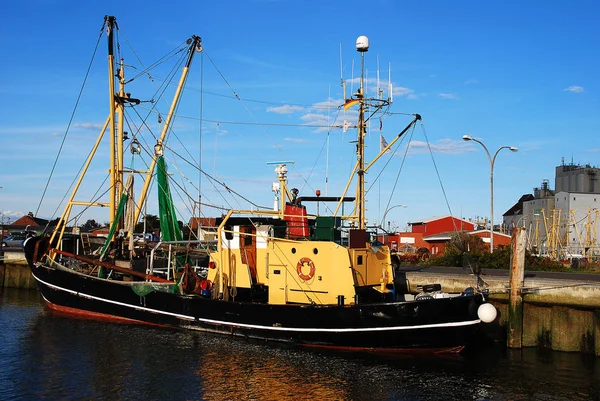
274,328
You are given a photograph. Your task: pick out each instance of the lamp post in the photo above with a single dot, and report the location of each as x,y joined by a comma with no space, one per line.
492,160
386,212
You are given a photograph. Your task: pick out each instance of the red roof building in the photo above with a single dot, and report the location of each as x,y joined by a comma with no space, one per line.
28,223
440,224
207,227
435,232
499,238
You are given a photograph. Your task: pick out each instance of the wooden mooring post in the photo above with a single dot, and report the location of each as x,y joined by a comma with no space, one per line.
517,277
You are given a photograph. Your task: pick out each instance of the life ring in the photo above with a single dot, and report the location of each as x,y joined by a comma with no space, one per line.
299,266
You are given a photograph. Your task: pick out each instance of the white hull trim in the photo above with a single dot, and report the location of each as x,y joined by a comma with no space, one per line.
253,326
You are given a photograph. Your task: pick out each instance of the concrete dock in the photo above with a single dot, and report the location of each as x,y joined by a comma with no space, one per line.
561,311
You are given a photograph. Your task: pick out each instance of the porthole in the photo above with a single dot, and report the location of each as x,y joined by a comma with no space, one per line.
293,250
315,251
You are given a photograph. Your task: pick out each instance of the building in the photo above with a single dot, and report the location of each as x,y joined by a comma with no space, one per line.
562,223
576,178
205,227
434,233
500,239
28,223
514,216
577,224
439,224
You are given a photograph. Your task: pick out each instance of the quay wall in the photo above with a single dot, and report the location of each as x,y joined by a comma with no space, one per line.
16,274
559,314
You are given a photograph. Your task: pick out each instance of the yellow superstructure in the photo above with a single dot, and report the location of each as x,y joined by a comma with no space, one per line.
297,271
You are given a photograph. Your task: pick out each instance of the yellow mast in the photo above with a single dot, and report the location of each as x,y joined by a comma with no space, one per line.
120,122
594,231
62,222
591,230
195,46
362,46
110,25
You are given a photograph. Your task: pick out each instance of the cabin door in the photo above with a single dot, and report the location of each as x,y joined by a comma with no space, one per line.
248,249
277,283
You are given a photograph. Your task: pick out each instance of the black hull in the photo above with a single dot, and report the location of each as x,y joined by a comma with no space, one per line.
436,325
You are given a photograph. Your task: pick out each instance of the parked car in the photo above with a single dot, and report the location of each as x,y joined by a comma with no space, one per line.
14,240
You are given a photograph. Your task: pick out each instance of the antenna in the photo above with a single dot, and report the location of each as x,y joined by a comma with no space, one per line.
379,91
352,80
342,74
328,135
391,92
282,162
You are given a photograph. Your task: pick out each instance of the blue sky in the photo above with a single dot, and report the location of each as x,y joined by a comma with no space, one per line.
509,73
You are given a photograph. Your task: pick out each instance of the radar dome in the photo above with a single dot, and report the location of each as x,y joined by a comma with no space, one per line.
362,44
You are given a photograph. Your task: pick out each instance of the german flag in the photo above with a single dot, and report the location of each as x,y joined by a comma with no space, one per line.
349,103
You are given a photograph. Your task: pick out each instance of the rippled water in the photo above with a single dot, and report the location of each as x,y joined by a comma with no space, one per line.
48,356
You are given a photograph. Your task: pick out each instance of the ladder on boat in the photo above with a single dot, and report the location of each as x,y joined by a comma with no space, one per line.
86,245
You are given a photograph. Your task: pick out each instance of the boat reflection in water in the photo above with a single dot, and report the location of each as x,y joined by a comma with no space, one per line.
47,355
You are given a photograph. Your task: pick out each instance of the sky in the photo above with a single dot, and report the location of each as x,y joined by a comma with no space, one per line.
267,85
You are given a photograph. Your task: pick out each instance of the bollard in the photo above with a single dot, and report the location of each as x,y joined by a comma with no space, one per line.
517,277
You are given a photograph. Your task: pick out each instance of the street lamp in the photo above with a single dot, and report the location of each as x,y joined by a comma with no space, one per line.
492,160
386,212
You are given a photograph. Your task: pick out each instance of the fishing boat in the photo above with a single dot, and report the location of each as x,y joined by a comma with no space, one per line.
280,275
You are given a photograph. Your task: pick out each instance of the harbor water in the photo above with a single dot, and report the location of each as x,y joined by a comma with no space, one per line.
45,355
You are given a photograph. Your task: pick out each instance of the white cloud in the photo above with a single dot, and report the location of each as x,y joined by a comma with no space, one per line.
471,82
285,109
11,214
318,119
575,89
328,104
448,96
371,84
314,118
297,140
88,126
401,91
443,146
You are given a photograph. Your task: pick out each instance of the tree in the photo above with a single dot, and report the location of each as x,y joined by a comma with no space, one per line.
462,242
463,249
152,224
89,226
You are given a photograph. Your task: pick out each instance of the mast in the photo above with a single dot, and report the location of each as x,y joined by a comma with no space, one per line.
362,46
111,23
195,44
361,168
120,106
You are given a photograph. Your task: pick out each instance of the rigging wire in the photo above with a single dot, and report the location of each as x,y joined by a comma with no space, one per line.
201,112
146,71
262,126
214,180
257,123
87,74
438,174
325,145
399,170
266,102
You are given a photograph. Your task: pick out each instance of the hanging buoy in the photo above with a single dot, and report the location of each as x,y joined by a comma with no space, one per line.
487,312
